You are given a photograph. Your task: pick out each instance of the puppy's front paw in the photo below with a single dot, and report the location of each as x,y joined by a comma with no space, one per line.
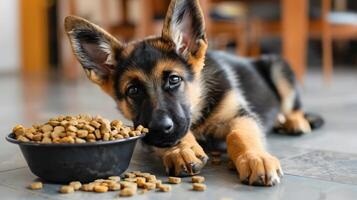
258,168
184,160
294,123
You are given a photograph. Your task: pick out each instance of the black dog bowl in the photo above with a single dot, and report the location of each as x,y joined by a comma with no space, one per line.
85,162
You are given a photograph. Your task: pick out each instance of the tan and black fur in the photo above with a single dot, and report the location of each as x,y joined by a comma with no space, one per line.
182,92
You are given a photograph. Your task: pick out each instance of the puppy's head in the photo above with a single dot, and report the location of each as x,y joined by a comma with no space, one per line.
153,81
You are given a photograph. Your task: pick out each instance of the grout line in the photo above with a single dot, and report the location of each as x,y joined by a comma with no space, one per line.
308,150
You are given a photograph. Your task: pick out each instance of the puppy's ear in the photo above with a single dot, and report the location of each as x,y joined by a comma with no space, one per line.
184,25
95,48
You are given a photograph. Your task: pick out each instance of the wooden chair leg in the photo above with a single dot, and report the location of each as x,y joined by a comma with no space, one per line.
327,54
68,61
255,40
241,39
294,26
145,23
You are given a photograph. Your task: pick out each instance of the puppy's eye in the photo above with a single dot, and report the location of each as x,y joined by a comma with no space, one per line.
132,91
174,80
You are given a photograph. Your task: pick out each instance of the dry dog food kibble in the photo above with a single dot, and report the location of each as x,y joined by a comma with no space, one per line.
130,180
158,183
88,187
114,187
198,179
114,178
140,181
76,129
216,161
76,185
127,192
36,186
216,153
165,188
100,188
149,186
129,175
174,180
199,186
145,181
126,184
151,178
216,157
66,189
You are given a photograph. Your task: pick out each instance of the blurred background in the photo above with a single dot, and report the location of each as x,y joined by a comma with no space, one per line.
40,77
311,34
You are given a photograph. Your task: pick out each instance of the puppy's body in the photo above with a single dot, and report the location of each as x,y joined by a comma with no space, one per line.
232,87
172,85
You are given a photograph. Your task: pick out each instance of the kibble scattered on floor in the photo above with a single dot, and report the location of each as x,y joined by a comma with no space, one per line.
76,185
127,192
174,180
65,189
198,179
231,166
36,186
127,185
216,158
199,186
165,188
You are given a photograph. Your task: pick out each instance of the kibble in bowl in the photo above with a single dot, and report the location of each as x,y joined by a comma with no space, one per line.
82,147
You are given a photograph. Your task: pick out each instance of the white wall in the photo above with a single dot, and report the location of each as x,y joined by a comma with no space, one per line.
9,36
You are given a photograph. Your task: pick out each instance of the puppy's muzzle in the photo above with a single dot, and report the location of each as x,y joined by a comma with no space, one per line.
161,122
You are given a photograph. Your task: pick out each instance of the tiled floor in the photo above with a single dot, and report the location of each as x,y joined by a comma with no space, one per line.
321,165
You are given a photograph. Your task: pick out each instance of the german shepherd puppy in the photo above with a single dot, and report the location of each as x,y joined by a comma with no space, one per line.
181,92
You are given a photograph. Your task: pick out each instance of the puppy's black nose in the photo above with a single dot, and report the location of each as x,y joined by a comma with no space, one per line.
162,123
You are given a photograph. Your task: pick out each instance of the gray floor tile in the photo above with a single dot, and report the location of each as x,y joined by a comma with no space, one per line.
11,193
325,165
222,184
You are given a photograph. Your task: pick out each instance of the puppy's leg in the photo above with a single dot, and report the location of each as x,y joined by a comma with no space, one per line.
186,158
245,148
292,118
